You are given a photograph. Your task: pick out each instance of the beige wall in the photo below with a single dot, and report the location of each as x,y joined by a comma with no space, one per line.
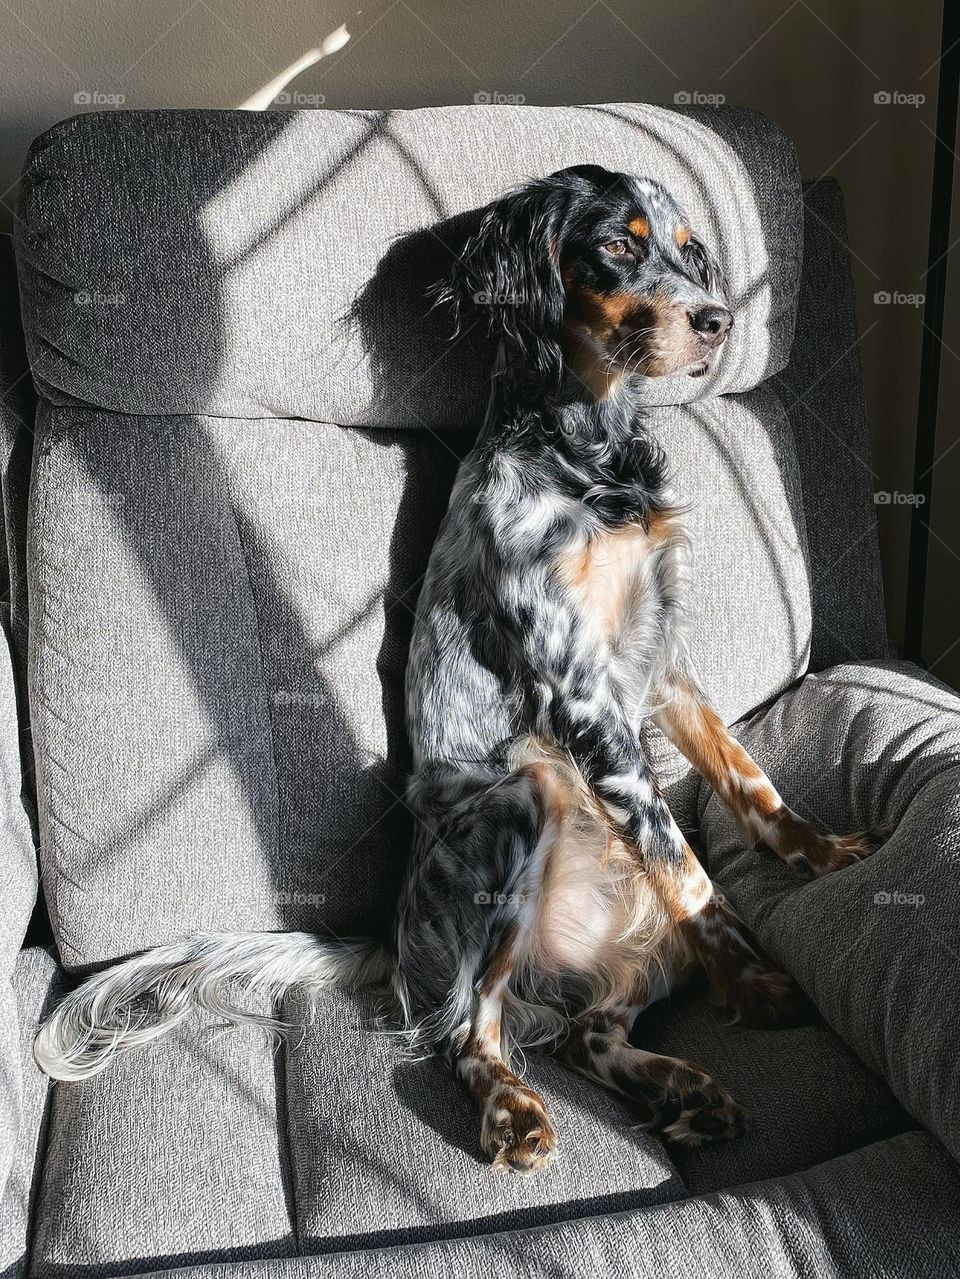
942,616
813,67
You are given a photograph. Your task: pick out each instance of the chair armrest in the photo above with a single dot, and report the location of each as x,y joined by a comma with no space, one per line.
18,895
877,945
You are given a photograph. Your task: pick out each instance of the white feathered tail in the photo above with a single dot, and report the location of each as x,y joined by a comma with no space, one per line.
147,996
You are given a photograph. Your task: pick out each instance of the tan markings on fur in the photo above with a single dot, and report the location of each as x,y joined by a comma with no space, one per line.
515,1130
650,335
675,1096
498,972
604,312
697,730
603,572
795,840
682,234
640,227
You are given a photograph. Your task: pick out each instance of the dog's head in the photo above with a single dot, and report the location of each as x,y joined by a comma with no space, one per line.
599,269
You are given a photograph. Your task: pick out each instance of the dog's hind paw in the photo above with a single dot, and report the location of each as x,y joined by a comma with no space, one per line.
681,1101
703,1113
517,1134
768,999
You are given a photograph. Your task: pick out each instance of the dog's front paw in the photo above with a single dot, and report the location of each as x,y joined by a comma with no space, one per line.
835,852
813,853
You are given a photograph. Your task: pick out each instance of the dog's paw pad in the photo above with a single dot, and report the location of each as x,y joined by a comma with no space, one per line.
518,1136
706,1114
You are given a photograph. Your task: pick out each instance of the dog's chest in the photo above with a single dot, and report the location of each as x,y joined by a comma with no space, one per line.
619,579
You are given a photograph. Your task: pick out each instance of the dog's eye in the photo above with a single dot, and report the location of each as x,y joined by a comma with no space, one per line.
616,247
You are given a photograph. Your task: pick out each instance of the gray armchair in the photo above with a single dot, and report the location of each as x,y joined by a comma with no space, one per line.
246,431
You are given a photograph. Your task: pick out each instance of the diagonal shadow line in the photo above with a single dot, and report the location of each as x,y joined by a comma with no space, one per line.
350,154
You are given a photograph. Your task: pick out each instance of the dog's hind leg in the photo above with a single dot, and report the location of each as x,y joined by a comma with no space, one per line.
614,764
677,1098
515,1130
462,924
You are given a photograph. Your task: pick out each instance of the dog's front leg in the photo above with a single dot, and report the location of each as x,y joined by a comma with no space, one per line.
690,722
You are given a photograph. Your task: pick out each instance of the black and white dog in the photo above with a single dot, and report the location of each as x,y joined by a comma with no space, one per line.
550,895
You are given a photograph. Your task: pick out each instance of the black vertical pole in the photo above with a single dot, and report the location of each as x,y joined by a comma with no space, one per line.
948,96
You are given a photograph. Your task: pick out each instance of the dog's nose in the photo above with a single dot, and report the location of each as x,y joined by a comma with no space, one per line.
712,323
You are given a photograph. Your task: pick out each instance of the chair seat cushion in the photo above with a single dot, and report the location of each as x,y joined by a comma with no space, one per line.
174,1154
210,1146
876,945
887,1210
808,1096
386,1149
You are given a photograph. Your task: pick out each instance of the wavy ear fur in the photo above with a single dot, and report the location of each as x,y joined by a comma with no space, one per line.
510,271
697,255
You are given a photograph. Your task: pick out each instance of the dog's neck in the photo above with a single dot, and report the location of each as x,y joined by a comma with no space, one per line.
611,420
603,416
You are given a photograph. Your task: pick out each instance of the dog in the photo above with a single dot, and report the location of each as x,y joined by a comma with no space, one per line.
550,895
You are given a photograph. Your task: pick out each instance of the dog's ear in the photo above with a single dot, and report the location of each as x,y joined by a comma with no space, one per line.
706,267
508,277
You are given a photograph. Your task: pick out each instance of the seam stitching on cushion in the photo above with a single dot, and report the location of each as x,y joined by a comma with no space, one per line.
39,618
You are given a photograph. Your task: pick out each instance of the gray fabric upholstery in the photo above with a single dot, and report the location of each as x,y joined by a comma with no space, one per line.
262,573
875,945
809,1098
21,1096
18,404
366,1149
17,410
175,1153
36,984
18,892
387,1149
890,1210
250,584
822,390
153,244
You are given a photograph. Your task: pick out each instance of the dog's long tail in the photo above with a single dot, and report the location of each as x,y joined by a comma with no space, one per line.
147,996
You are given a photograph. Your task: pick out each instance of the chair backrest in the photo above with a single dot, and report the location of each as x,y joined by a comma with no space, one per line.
248,428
